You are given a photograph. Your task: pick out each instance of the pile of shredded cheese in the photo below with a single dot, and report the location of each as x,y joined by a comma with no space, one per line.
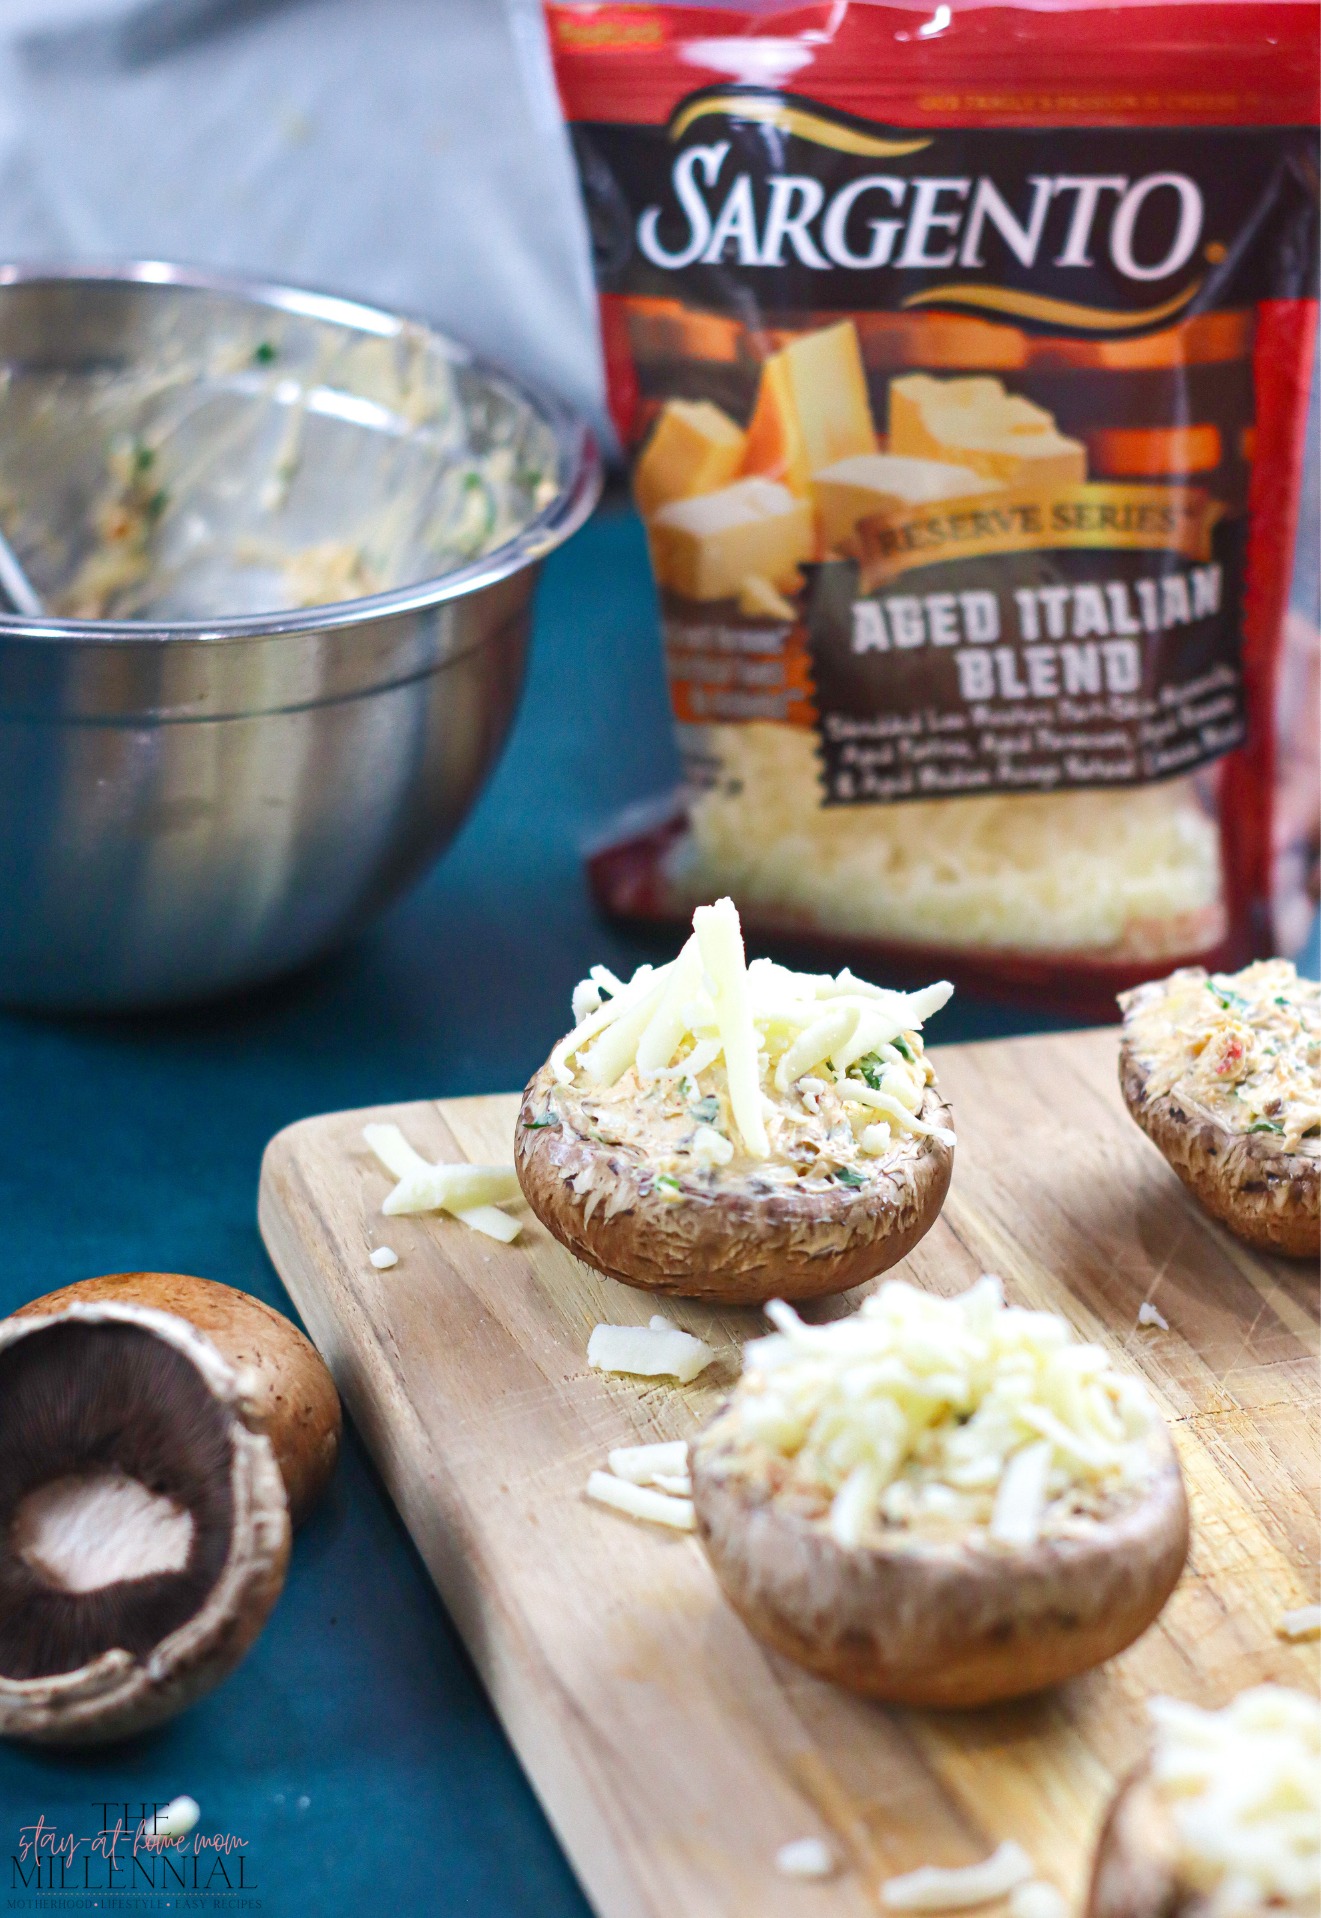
758,1055
1133,873
944,1414
1243,1046
1243,1787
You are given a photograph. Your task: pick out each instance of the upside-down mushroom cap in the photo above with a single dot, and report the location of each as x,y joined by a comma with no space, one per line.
916,1621
287,1384
1267,1195
732,1242
144,1529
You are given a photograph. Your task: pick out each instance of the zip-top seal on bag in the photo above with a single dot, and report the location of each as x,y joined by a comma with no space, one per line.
962,355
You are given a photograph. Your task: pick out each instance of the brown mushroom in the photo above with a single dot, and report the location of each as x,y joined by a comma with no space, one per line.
732,1236
1268,1197
1267,1193
144,1530
918,1621
286,1383
1135,1873
1223,1815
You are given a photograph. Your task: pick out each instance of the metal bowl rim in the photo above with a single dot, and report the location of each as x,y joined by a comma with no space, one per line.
574,440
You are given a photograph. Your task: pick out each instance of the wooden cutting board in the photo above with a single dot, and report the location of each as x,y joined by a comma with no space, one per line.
672,1754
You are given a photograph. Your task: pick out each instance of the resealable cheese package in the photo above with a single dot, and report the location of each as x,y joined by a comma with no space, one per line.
962,354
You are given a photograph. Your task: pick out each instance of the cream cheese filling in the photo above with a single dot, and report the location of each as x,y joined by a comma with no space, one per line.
1242,1047
680,1129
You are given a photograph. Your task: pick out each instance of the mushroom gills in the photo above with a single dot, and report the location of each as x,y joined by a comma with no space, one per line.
286,1384
116,1509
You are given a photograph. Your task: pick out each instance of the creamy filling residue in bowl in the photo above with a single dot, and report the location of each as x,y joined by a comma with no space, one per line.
272,464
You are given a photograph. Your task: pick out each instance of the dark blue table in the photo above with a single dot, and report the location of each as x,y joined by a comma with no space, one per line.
354,1750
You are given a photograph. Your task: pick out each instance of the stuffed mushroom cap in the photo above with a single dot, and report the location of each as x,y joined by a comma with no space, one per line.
1223,1073
1222,1819
735,1132
929,1622
725,1232
144,1529
843,1540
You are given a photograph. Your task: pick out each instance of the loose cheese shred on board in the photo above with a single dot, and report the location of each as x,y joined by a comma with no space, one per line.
963,376
649,1482
1035,1898
1301,1624
471,1193
1243,1787
640,1501
178,1818
933,1412
488,1220
805,1858
1148,1314
934,1888
648,1351
679,1483
643,1464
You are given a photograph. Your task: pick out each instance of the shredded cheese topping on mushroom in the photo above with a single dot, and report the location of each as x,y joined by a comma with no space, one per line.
726,1064
1244,1047
945,1415
1243,1787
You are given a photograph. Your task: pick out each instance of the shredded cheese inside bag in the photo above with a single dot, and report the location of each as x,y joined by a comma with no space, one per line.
945,1414
759,1054
1243,1787
1134,873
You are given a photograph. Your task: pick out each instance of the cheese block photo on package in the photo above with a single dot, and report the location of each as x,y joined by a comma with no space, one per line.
964,379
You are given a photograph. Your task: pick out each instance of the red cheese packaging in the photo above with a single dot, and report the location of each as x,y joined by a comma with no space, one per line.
962,354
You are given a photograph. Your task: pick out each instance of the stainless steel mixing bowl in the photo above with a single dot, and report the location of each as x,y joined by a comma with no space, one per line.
190,804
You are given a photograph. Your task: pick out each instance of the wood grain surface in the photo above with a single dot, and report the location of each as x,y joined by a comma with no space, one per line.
672,1754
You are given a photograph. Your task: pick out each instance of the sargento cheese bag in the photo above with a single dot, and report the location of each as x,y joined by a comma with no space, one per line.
962,356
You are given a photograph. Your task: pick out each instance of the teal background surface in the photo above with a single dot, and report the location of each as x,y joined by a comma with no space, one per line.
354,1750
